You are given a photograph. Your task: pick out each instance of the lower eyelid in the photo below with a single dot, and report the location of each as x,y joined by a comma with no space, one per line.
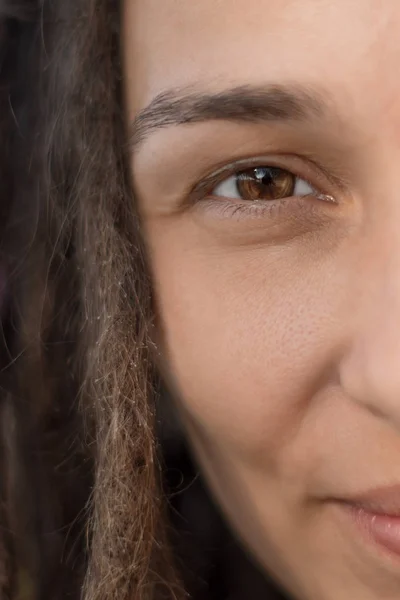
292,207
239,225
227,207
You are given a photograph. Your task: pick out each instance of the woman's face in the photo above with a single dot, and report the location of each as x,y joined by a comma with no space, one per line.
265,160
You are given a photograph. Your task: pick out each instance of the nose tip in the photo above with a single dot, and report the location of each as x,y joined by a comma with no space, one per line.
370,373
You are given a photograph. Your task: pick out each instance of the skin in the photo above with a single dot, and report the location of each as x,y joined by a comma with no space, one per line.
281,328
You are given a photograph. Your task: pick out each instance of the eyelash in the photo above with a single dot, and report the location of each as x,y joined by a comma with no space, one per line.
225,207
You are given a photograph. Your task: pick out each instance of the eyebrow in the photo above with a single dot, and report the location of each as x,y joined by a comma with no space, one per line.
249,104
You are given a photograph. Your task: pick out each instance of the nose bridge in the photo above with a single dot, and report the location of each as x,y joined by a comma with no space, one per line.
370,370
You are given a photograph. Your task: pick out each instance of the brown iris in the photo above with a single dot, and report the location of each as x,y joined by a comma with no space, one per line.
265,183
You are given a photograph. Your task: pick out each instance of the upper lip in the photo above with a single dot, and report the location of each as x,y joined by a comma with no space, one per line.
383,500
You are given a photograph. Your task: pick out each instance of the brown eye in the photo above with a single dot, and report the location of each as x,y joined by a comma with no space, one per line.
266,183
262,184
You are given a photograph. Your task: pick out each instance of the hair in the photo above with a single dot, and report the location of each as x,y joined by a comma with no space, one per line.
82,504
82,508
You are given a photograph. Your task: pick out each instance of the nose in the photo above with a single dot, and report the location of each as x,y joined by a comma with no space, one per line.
370,368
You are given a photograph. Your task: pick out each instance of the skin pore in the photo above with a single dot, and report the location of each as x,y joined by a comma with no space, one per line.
280,316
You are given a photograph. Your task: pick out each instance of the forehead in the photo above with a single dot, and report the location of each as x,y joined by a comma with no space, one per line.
214,43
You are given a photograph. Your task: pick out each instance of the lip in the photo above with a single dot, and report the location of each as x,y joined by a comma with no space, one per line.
379,501
376,514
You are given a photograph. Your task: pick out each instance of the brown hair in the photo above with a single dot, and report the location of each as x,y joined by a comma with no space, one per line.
83,499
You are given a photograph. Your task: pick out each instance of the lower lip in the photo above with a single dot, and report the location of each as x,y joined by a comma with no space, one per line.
383,529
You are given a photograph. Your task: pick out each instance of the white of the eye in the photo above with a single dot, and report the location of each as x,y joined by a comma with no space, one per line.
302,188
228,188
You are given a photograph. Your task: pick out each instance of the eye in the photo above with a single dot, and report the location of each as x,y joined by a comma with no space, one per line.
263,184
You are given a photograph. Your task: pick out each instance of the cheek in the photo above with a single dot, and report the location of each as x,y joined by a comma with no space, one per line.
248,334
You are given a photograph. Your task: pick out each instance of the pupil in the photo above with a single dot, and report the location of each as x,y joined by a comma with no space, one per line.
265,175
